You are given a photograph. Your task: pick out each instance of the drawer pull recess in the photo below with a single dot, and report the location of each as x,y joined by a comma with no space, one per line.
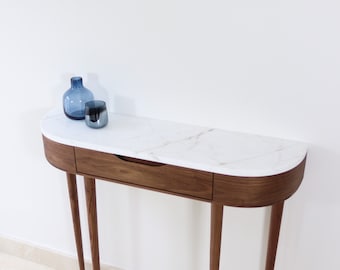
140,161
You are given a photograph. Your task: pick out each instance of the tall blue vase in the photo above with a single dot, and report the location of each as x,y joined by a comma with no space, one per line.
75,98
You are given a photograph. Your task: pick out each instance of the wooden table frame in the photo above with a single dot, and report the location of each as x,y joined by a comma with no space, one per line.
217,189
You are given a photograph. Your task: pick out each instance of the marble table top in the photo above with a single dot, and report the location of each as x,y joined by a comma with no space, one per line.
201,148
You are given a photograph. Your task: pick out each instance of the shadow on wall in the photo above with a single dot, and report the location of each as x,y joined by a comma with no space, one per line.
117,104
99,91
124,105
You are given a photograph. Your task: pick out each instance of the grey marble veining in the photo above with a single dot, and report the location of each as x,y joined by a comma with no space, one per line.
195,147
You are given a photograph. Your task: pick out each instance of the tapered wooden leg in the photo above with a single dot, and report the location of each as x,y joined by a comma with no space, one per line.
90,189
215,235
274,232
73,194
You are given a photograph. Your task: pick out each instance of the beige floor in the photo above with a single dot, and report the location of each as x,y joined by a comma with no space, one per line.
8,262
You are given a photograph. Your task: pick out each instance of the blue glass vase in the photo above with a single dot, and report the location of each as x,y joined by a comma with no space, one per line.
75,98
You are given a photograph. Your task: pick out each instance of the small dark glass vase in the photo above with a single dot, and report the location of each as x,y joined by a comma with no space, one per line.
75,98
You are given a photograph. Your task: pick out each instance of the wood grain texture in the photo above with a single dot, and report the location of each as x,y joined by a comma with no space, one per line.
216,223
257,191
73,194
172,179
218,189
91,203
59,155
274,233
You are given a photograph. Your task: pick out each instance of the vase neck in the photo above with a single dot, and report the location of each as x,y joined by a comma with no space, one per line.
77,82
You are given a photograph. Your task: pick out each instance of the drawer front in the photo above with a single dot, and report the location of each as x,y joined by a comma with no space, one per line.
167,178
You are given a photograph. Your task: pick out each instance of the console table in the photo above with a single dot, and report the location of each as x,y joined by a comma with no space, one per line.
212,165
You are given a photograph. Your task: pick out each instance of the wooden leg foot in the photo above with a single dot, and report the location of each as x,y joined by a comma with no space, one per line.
274,232
73,194
215,235
90,189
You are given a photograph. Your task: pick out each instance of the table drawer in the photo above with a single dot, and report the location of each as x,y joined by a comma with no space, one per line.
167,178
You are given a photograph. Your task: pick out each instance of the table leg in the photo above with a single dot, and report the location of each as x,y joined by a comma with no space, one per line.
215,234
73,194
90,189
274,232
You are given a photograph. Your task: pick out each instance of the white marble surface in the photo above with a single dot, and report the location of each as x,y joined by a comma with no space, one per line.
201,148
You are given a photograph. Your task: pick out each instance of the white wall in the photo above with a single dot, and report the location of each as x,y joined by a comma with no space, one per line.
268,67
